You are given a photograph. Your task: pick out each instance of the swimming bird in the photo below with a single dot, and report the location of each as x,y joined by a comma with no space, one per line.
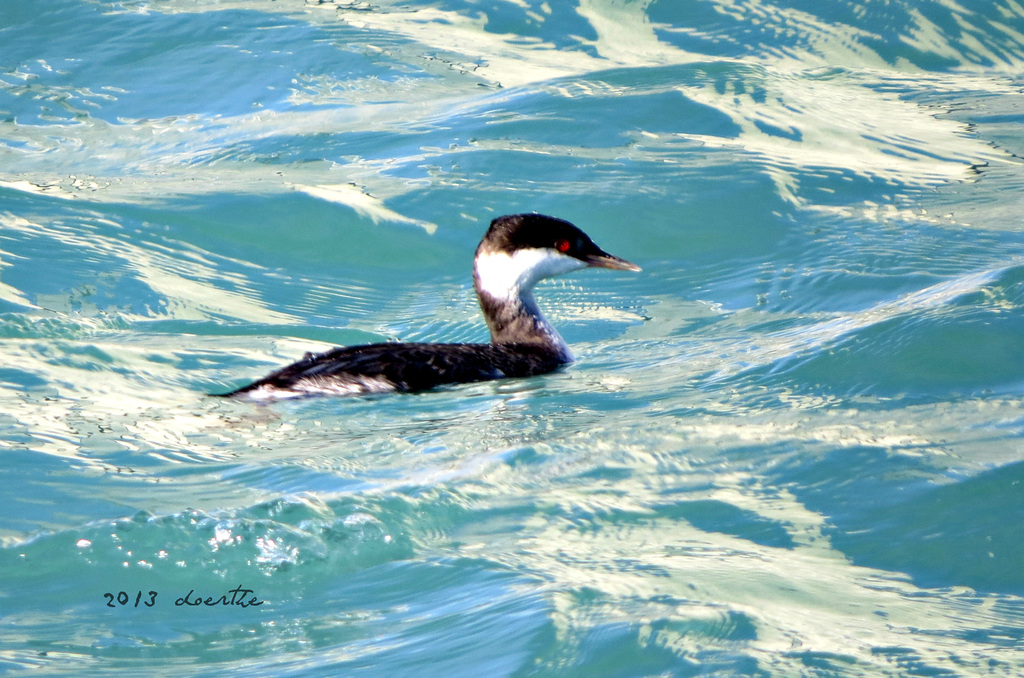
517,251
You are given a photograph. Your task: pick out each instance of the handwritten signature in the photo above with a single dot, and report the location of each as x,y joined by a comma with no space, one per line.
236,597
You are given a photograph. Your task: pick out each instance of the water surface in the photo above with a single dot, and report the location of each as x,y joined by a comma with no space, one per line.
791,446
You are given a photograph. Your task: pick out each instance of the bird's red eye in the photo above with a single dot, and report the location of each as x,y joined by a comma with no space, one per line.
562,245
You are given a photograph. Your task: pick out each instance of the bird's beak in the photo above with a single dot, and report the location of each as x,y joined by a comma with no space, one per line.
605,260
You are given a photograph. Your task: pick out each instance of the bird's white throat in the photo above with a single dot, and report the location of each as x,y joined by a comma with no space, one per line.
506,277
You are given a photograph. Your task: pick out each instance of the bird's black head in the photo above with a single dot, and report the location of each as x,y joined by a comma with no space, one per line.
514,232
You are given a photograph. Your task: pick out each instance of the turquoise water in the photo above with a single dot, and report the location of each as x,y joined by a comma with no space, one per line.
793,445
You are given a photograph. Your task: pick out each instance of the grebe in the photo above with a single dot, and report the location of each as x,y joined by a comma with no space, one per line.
516,252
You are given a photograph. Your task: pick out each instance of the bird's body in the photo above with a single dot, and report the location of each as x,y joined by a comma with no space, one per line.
377,368
515,253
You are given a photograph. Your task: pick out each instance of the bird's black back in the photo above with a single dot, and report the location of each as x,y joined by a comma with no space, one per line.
409,366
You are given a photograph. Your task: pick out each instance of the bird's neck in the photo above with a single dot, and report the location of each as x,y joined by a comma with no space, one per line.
504,286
